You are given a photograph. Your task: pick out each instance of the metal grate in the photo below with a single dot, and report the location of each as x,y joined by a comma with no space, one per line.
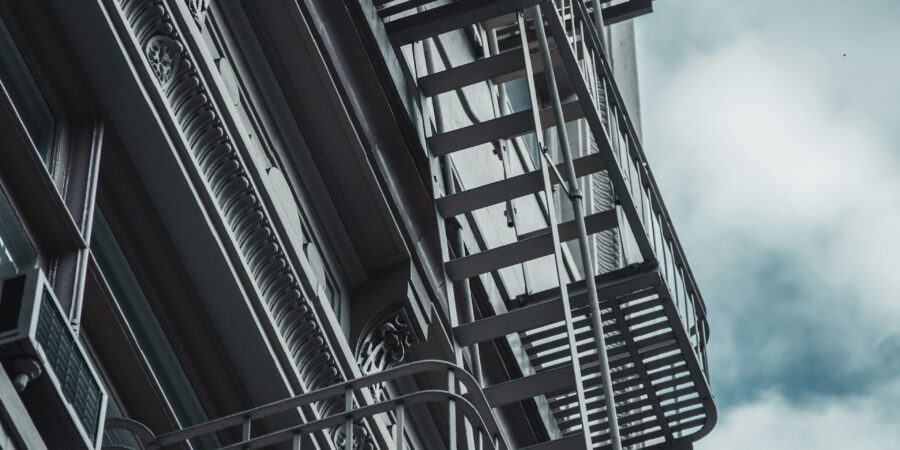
65,359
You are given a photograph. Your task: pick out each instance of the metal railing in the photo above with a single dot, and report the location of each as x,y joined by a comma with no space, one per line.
571,23
472,407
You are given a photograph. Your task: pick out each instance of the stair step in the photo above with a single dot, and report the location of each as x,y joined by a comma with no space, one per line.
505,127
510,188
543,383
570,442
449,17
626,10
500,68
535,246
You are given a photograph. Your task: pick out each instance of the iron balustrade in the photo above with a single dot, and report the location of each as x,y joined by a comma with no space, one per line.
569,21
472,405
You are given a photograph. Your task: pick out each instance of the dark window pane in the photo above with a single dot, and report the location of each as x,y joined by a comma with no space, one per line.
16,252
27,98
149,333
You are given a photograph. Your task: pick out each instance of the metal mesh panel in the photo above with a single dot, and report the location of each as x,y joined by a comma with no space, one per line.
64,357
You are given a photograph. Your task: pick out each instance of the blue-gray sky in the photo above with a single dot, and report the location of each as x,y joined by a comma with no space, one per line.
773,128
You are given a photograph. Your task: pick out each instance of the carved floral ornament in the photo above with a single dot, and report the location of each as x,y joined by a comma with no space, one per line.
163,55
385,345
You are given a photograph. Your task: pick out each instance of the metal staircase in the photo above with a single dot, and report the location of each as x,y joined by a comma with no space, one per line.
652,365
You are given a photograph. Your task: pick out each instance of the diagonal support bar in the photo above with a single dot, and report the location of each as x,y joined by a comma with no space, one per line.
578,208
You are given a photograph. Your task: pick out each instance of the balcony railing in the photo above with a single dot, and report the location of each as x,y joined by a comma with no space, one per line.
571,22
472,407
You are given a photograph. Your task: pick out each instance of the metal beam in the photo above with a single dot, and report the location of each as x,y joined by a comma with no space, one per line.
625,11
546,382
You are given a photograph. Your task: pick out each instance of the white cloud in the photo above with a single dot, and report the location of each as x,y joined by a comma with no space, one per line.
778,157
773,423
756,155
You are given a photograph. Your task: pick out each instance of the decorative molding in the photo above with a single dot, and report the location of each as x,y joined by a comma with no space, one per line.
198,9
213,151
361,438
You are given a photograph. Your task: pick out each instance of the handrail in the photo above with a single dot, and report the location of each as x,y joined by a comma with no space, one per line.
655,221
335,420
474,406
637,149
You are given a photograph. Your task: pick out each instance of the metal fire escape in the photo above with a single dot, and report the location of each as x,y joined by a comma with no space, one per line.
619,356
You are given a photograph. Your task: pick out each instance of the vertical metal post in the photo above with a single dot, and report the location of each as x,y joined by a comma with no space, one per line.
552,225
245,430
575,196
598,22
348,426
399,439
452,440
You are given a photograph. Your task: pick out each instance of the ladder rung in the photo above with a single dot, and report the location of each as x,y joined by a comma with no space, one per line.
499,68
547,382
505,127
537,245
572,441
452,16
510,188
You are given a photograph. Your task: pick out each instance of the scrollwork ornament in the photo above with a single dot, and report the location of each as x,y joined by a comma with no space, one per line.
385,345
198,9
397,336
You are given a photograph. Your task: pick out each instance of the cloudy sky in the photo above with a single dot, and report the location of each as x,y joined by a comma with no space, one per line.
774,130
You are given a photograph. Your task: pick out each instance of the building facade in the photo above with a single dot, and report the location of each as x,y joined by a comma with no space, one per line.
337,224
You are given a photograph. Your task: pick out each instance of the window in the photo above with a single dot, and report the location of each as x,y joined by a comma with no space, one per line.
30,103
16,252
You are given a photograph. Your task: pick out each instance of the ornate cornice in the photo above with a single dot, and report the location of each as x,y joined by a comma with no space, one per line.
213,151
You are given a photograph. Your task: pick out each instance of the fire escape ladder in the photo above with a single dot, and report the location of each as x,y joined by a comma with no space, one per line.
617,357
